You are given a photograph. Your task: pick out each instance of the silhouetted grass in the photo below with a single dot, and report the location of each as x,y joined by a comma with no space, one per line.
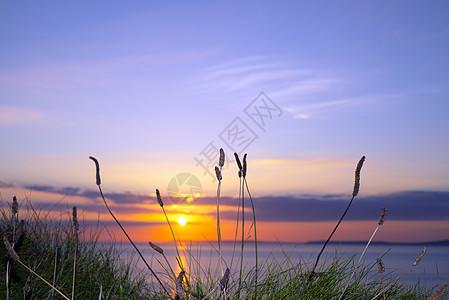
48,244
57,250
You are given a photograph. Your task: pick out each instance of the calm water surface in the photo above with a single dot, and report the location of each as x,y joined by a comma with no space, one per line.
433,268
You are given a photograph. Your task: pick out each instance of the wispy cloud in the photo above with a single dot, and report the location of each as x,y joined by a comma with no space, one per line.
323,108
281,78
307,86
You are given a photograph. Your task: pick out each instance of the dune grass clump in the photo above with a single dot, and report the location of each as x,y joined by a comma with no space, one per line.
43,256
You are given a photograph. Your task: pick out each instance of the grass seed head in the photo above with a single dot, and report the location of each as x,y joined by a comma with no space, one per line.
380,265
97,169
159,199
237,160
239,164
76,225
244,166
14,206
225,279
156,248
382,216
357,176
179,290
418,259
222,158
218,173
10,249
438,293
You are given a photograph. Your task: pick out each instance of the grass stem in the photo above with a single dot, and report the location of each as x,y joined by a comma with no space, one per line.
121,227
354,193
132,243
219,177
159,199
380,223
255,234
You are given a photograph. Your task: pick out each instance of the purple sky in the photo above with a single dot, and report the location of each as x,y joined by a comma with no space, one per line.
146,87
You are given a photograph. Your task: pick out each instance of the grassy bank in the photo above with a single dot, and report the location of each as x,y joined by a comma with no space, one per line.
47,246
56,258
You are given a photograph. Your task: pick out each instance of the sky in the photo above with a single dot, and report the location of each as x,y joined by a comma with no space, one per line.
154,89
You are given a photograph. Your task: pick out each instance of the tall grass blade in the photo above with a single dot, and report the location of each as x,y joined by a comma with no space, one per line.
218,173
242,198
76,228
14,218
354,193
239,164
254,222
161,204
379,223
97,166
55,266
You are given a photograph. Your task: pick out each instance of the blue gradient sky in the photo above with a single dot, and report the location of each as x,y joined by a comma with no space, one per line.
146,86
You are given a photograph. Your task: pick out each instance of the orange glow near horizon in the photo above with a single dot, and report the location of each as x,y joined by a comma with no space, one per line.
150,222
296,232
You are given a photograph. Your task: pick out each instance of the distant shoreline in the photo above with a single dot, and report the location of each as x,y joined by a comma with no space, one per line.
432,243
429,243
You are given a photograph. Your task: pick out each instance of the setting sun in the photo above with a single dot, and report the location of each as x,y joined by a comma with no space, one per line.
182,221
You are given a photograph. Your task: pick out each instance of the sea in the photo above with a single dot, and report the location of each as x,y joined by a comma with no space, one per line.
430,272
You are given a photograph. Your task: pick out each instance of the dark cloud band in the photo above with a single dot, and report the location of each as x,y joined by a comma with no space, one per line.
408,205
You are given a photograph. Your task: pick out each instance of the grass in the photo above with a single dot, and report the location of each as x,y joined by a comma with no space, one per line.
52,242
55,258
